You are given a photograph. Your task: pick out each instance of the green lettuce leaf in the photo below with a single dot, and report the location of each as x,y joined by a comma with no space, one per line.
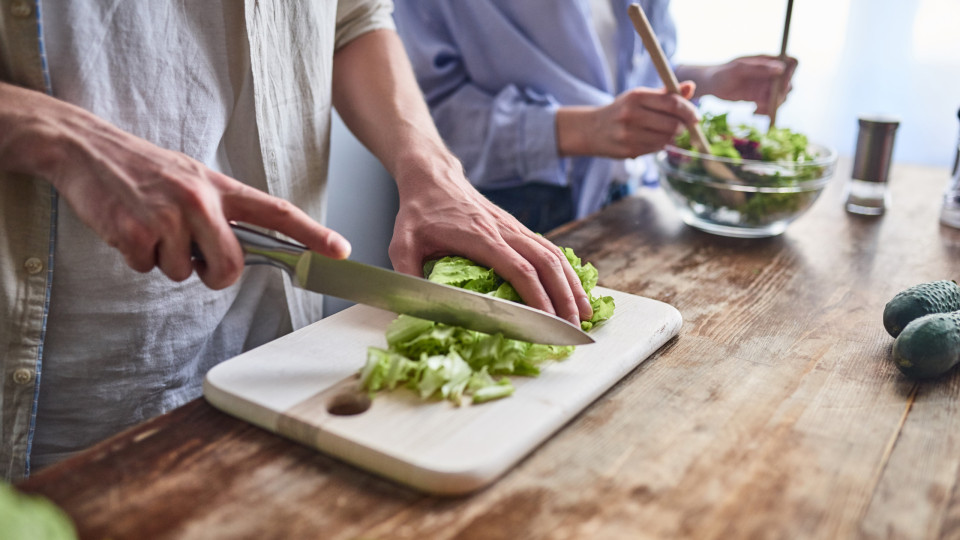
33,517
446,362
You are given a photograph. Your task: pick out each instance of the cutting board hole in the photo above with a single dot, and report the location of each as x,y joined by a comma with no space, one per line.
348,404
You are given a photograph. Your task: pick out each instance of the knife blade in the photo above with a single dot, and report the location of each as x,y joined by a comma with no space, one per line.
402,293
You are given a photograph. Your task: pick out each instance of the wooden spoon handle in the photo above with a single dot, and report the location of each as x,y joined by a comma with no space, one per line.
642,25
779,84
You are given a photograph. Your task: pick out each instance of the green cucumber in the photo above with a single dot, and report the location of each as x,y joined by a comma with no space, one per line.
935,297
928,346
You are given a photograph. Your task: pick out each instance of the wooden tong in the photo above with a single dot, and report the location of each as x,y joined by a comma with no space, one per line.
779,85
697,137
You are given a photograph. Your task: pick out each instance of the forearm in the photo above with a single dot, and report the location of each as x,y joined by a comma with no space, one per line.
376,94
700,75
28,131
747,78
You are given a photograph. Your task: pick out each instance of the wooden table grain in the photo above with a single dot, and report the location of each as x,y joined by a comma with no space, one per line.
776,413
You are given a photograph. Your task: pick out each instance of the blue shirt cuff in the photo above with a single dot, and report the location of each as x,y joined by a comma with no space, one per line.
539,160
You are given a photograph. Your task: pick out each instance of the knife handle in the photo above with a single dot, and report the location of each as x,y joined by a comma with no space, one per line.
260,248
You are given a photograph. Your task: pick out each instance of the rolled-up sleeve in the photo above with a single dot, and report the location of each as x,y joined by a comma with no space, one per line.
357,17
504,135
502,139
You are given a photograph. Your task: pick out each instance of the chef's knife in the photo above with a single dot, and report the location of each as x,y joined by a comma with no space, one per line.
406,294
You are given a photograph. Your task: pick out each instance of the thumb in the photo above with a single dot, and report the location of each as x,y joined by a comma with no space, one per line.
404,256
687,89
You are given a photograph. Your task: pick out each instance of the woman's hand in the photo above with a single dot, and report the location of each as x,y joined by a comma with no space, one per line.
637,122
748,78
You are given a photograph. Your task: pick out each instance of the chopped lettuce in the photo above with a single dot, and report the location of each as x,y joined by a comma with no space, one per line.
447,362
33,517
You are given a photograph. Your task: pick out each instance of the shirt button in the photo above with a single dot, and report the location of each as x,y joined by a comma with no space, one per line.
21,8
33,265
23,376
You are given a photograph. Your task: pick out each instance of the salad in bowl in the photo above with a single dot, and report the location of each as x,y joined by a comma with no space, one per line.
775,176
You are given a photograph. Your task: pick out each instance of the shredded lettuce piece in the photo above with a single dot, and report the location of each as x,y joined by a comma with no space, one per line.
498,390
386,369
446,362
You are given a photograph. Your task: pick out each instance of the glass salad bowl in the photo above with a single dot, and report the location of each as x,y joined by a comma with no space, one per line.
759,199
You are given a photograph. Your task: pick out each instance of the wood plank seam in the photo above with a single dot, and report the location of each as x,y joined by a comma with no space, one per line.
888,451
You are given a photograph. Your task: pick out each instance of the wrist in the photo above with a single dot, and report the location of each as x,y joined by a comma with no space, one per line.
572,135
701,76
423,164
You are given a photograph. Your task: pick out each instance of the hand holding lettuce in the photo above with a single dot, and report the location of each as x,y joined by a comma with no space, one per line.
457,364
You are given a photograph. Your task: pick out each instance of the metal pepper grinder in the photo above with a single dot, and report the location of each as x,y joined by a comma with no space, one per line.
867,190
950,210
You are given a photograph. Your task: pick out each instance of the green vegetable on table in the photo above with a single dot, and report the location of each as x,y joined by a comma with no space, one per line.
31,517
456,364
929,346
934,297
925,320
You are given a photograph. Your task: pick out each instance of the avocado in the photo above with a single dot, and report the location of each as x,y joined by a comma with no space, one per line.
928,346
935,297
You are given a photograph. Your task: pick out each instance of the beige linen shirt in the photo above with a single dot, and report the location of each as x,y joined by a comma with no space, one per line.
291,51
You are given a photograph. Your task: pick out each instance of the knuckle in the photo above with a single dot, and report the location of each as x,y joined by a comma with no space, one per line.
192,200
554,264
400,245
168,219
281,207
138,259
621,135
526,269
231,268
677,106
138,265
135,236
179,272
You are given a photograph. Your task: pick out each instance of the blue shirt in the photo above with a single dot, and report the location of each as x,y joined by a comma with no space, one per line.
494,73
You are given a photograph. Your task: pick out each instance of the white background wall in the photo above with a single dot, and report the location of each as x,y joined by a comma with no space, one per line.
897,57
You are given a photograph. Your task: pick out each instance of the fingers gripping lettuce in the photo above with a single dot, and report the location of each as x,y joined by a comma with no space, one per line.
456,364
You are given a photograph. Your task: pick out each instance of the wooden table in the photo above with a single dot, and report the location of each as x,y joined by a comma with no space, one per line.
776,413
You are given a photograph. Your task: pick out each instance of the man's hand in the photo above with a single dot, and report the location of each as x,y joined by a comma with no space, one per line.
376,94
148,202
748,78
638,122
442,214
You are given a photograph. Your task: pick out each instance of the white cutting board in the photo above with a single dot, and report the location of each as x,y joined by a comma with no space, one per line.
287,385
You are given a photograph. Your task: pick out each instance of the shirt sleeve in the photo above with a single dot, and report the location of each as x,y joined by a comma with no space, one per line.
356,17
503,136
